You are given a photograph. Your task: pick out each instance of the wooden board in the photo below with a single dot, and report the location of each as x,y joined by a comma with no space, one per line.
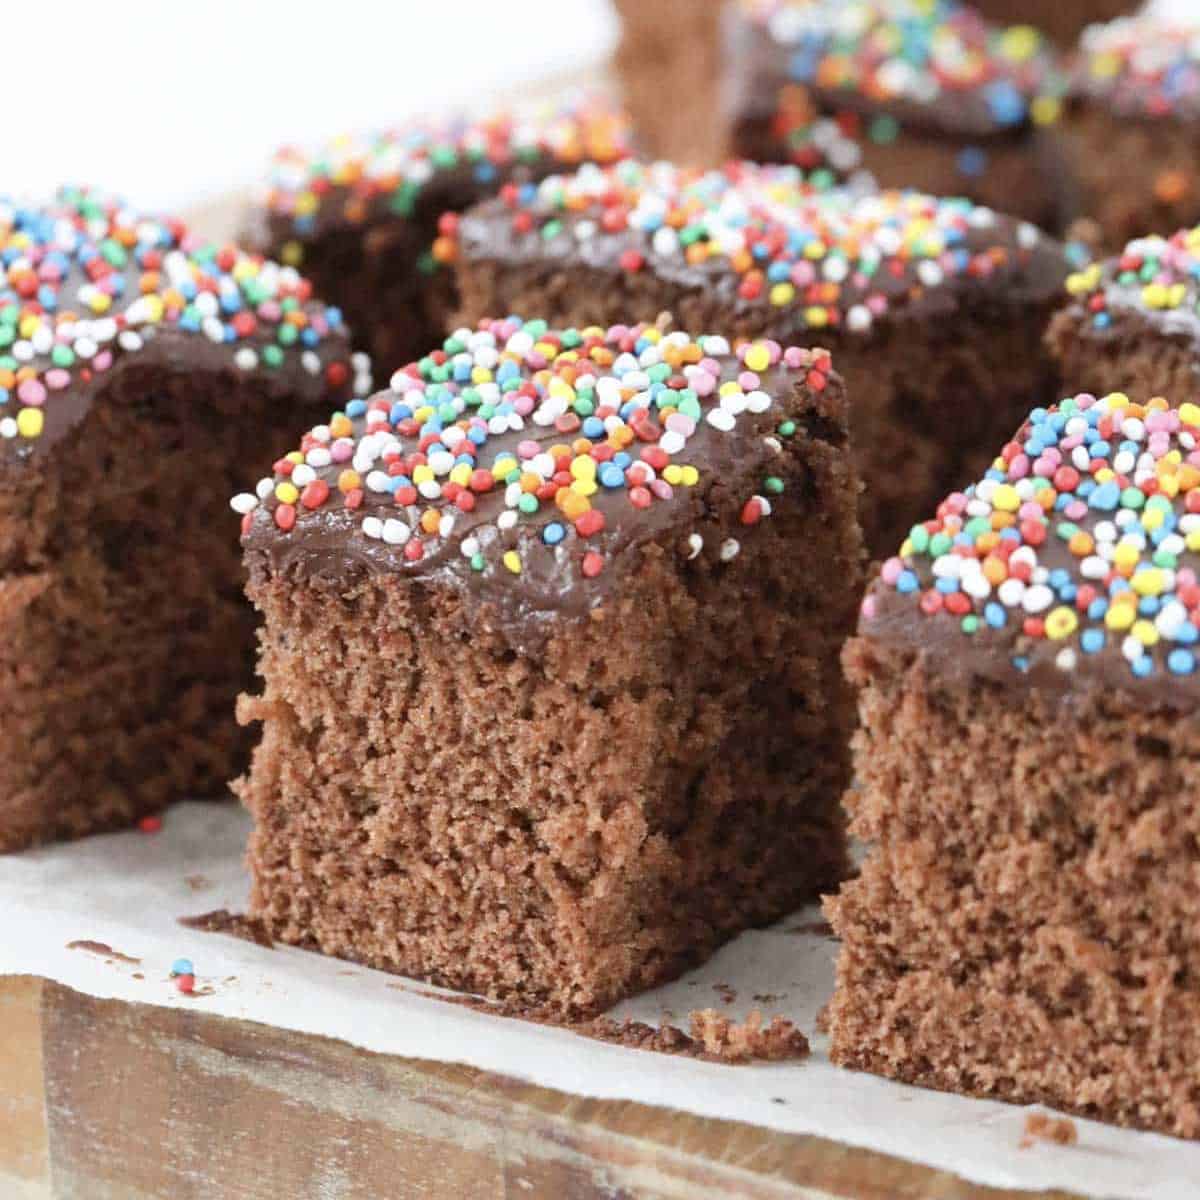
105,1100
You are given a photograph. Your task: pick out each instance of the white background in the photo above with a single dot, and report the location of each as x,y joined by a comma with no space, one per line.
170,102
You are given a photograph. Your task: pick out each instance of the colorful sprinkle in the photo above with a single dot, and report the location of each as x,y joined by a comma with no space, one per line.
1122,568
515,442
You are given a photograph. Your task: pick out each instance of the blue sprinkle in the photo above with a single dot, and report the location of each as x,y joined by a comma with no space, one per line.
356,408
553,533
611,476
182,966
947,586
995,615
1092,641
972,161
1021,663
907,583
1106,497
1143,666
1187,634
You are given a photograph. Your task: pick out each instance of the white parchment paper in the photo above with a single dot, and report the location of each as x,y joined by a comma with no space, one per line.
128,890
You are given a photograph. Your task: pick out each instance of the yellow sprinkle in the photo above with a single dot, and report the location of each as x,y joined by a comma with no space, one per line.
1005,498
816,317
1148,582
1045,110
583,467
30,422
782,293
286,492
691,476
585,487
461,474
512,560
673,474
1189,414
1146,632
758,357
1192,541
292,254
422,473
481,375
1061,623
1120,616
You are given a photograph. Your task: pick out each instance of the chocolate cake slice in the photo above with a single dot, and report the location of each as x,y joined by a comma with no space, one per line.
552,697
1132,128
935,309
1133,322
938,99
370,218
1024,925
136,363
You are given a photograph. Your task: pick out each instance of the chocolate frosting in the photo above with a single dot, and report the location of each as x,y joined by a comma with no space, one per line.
889,58
1140,69
894,257
155,298
332,545
1151,289
1066,645
427,168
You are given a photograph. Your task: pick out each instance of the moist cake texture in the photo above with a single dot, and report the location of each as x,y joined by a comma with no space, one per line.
370,218
938,99
1132,128
135,363
1024,923
552,702
1133,322
934,309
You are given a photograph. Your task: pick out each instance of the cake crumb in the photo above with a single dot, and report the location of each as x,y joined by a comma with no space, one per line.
1042,1127
731,1041
727,993
235,924
197,883
100,948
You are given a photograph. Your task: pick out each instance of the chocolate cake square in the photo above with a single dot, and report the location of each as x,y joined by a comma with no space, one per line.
1132,129
366,217
136,363
552,702
934,309
1132,322
936,98
1024,924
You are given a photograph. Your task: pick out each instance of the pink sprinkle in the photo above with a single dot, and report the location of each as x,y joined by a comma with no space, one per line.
793,356
748,381
57,378
891,570
342,450
103,360
269,310
662,489
869,607
803,273
1019,467
1076,510
679,422
32,392
523,405
1029,511
527,448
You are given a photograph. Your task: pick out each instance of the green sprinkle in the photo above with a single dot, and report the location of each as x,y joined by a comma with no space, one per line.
774,485
787,428
528,503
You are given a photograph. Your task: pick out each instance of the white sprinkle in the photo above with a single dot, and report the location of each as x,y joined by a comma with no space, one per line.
1132,649
372,527
758,402
695,545
1065,659
507,519
244,502
245,359
378,481
730,549
1037,598
396,532
718,418
264,487
302,475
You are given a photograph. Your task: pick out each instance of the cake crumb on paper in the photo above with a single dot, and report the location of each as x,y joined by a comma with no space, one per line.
1042,1127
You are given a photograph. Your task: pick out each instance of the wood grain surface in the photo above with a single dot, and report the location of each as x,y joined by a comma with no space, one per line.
106,1100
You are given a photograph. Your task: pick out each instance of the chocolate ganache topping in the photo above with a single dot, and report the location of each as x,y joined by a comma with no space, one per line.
90,288
1074,564
1141,69
1152,286
520,465
791,261
427,166
930,66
